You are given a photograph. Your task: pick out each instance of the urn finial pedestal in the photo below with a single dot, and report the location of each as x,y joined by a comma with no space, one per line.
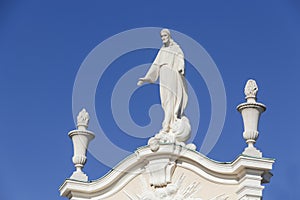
80,138
251,111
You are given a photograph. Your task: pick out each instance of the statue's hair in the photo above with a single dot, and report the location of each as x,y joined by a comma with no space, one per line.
165,30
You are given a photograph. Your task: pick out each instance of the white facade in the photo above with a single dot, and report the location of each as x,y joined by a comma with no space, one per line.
165,171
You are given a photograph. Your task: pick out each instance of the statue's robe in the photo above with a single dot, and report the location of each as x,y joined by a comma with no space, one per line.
168,66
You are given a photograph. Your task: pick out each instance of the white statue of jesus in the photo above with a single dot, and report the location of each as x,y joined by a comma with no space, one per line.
169,67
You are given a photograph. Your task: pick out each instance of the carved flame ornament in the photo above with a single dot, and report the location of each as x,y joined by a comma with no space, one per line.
83,118
251,89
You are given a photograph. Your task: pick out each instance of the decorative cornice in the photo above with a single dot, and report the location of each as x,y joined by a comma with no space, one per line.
251,105
128,169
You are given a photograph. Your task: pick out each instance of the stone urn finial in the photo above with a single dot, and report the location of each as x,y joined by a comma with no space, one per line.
80,138
251,111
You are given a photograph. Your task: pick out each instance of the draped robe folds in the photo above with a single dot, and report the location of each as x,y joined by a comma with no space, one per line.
168,66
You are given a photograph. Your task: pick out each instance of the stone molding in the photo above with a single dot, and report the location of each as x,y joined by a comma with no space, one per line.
245,171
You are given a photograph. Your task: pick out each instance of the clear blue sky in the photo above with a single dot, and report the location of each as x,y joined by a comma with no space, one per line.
43,43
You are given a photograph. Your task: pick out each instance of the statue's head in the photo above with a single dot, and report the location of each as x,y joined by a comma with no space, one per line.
165,36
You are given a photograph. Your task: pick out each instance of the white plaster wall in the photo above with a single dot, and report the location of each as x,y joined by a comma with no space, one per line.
207,190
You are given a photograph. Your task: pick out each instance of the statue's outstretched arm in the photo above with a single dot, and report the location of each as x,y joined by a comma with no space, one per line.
143,80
